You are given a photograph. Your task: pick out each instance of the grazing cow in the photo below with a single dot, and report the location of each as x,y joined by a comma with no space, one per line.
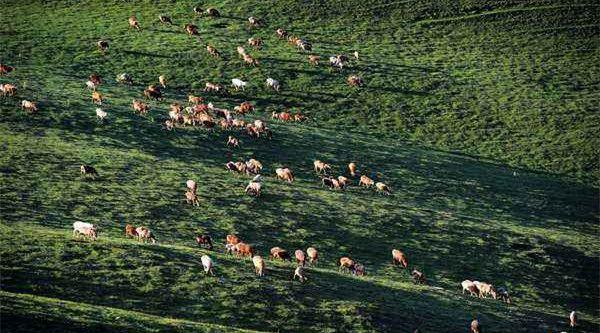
133,22
102,45
352,169
239,123
255,42
209,87
7,89
382,188
303,45
485,289
238,84
153,92
299,117
88,170
259,265
300,257
503,295
255,22
355,81
231,166
281,33
313,255
140,107
5,69
198,10
212,51
191,198
208,264
244,108
233,142
124,78
299,272
272,83
350,265
191,185
284,174
332,183
475,327
279,253
164,19
321,167
195,100
176,112
101,114
468,285
573,319
212,12
365,181
254,166
244,250
130,231
335,61
163,81
91,85
96,79
343,181
398,258
248,59
232,239
204,240
144,235
253,189
241,51
86,229
191,29
418,277
97,98
314,59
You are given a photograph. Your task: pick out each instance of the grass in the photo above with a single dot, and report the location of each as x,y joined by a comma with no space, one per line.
512,81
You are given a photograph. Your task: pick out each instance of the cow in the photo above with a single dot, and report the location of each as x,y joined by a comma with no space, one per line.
253,189
248,59
475,327
300,257
254,166
145,234
191,29
299,117
321,167
5,69
8,89
213,87
153,92
191,198
398,258
332,183
313,255
573,319
418,277
88,170
255,42
124,78
212,12
485,289
365,181
303,45
212,51
383,188
133,22
279,253
244,250
284,174
204,240
355,81
314,59
468,285
140,107
343,181
352,169
102,45
232,239
350,265
197,10
356,55
259,265
163,81
273,84
164,19
241,51
207,264
101,114
281,33
191,185
299,272
244,108
130,231
503,295
255,22
97,98
86,229
239,84
232,142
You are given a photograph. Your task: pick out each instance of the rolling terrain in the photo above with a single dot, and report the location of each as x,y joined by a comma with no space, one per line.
482,117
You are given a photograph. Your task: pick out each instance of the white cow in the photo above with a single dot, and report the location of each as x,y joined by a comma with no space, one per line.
208,264
101,114
85,229
237,84
273,84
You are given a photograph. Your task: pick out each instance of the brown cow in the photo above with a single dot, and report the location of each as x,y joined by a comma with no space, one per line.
355,81
244,108
468,285
140,107
321,167
418,277
8,89
383,188
144,235
232,239
300,257
366,181
350,265
205,240
259,265
97,98
314,60
213,51
191,198
95,79
285,174
130,231
153,92
244,250
398,258
283,116
5,69
279,253
133,22
248,59
191,29
232,141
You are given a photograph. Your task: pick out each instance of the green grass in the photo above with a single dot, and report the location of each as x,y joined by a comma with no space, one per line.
511,85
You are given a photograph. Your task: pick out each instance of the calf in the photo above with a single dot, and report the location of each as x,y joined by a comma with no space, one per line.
207,264
204,240
88,170
259,265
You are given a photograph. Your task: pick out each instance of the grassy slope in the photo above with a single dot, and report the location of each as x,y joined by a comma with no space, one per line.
456,217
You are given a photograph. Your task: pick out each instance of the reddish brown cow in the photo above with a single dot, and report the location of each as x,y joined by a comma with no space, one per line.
398,258
244,250
5,69
130,231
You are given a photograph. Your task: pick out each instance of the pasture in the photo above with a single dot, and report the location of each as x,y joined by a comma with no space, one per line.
482,118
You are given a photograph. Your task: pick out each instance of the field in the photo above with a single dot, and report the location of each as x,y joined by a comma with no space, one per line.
482,117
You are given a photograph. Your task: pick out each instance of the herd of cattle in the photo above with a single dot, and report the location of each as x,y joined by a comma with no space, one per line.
206,115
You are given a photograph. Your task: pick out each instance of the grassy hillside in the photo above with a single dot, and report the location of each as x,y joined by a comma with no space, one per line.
457,217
